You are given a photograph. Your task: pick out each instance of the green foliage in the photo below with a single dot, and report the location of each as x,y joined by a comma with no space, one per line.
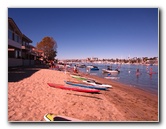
48,45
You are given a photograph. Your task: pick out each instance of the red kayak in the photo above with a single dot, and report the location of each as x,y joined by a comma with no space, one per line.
79,89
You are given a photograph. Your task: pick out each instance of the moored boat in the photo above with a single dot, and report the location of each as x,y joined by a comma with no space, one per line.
110,71
81,65
91,67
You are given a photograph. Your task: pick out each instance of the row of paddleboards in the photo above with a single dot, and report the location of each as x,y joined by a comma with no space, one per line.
83,78
88,85
73,88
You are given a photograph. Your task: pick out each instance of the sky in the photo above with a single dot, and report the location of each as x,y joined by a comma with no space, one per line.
92,32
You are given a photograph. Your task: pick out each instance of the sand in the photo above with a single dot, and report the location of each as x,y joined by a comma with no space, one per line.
30,98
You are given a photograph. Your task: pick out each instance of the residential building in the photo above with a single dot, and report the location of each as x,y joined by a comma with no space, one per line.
19,53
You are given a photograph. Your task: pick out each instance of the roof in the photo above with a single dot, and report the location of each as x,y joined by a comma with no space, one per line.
11,21
29,40
32,46
13,24
39,50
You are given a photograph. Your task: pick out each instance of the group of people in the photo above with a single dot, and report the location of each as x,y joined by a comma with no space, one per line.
53,65
75,69
150,71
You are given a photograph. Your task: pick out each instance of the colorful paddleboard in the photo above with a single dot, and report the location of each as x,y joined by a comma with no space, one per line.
85,85
53,117
78,77
79,89
94,83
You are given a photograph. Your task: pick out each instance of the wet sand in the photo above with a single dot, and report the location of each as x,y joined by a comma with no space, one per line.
30,98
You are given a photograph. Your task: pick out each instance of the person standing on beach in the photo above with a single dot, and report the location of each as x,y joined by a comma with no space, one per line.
52,64
65,68
75,68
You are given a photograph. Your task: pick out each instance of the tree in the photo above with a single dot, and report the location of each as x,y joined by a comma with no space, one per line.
48,45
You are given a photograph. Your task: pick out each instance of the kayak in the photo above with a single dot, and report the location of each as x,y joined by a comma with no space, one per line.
85,85
54,117
79,89
78,77
94,83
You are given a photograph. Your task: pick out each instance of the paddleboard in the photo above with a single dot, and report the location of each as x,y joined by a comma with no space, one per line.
85,85
78,77
53,117
79,89
94,83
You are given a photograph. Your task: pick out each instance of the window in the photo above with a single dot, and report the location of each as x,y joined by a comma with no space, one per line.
16,38
13,36
19,54
16,54
10,34
24,43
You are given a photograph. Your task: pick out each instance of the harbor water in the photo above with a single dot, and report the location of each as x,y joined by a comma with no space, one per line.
128,75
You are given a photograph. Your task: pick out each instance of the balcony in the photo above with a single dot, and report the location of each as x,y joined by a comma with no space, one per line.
14,44
25,48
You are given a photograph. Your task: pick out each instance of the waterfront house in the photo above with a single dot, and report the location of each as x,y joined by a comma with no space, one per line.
19,53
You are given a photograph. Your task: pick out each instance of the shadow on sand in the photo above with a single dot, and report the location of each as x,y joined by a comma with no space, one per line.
86,95
16,74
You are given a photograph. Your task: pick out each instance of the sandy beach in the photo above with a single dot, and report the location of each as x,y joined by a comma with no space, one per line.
30,98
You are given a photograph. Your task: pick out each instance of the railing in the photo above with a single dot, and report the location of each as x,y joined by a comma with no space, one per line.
14,43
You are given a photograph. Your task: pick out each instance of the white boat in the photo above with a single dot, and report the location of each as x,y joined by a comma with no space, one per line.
110,71
81,65
91,67
94,83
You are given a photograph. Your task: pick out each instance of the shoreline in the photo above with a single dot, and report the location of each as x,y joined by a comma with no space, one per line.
117,82
30,98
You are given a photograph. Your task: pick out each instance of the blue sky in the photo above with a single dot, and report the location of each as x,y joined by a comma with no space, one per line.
92,32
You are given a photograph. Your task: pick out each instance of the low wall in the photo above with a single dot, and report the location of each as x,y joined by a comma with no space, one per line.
13,62
28,62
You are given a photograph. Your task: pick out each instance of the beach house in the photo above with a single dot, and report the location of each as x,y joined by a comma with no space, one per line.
19,51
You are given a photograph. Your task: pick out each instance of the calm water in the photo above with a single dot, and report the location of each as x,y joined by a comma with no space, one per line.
128,75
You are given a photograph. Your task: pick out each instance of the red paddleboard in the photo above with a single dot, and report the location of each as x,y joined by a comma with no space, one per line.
79,89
